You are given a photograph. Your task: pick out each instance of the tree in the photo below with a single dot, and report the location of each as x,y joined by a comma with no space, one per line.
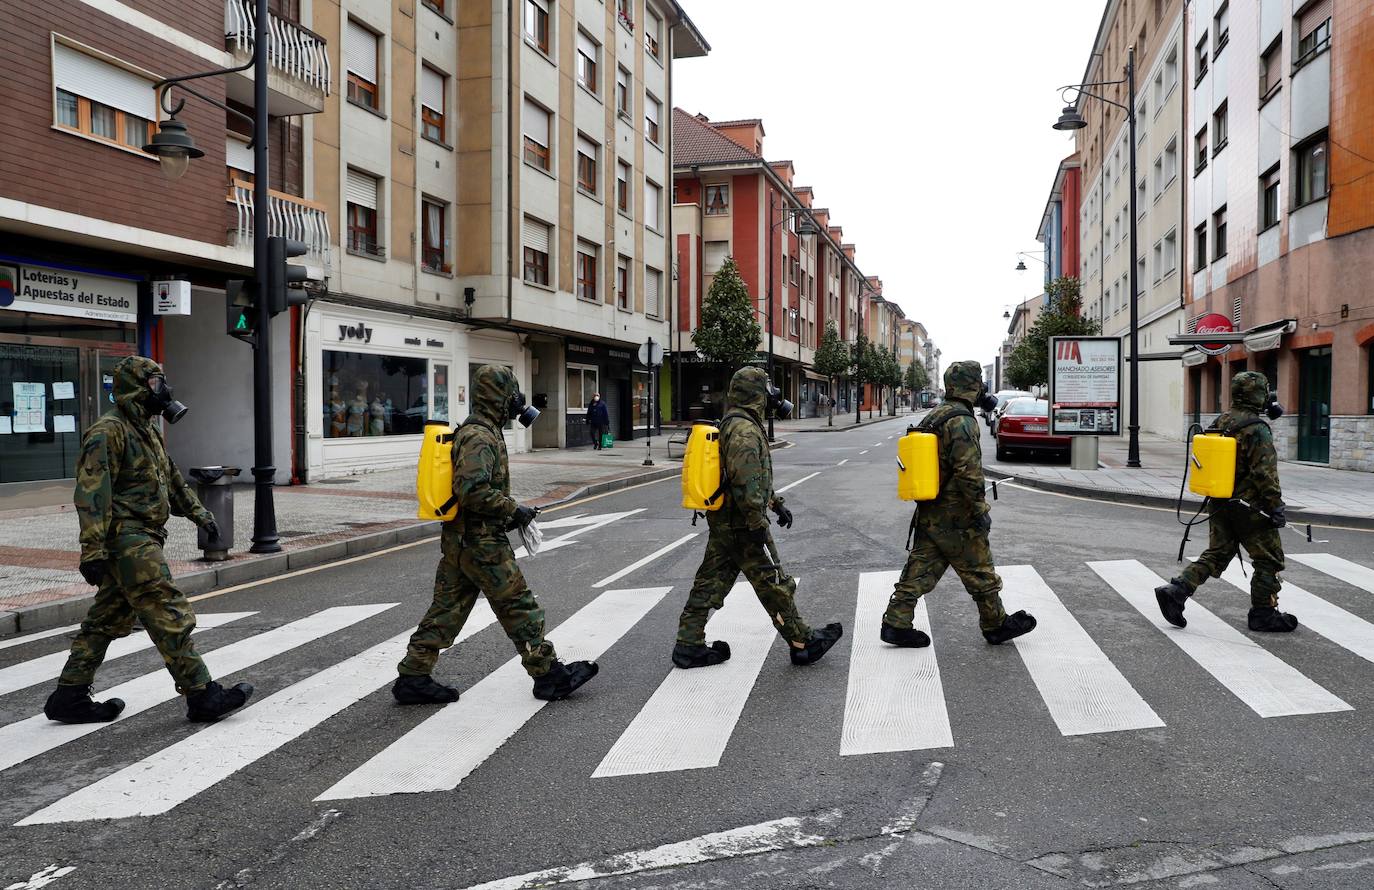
832,360
889,374
872,363
729,333
862,364
916,379
1029,363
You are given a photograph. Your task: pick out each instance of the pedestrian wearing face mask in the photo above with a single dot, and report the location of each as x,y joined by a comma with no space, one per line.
477,557
126,487
952,530
599,419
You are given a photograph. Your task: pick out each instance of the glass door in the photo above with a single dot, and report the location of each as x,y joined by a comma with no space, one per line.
39,408
1314,400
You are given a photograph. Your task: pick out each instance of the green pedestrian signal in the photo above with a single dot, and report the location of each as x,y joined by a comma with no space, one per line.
242,323
241,310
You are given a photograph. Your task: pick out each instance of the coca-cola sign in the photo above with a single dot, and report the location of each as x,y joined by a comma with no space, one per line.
1214,323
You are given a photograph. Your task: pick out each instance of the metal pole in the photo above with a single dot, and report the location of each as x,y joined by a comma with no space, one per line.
264,511
771,227
1133,446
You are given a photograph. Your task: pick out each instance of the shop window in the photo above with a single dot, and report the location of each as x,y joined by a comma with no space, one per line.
101,100
433,90
368,395
581,386
1214,380
35,448
586,271
473,367
1269,367
438,403
536,251
640,399
361,50
434,235
717,200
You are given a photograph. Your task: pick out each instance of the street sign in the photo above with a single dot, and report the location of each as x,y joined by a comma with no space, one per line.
1214,323
651,354
171,298
1085,386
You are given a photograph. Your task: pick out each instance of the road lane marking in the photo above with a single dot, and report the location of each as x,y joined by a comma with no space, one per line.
37,735
48,667
38,635
585,524
442,751
843,462
641,563
689,719
865,451
1269,686
177,773
1345,629
877,444
1083,690
791,485
895,700
1341,569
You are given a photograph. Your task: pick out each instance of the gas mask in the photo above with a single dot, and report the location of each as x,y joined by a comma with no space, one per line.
780,407
160,401
985,400
518,410
1272,406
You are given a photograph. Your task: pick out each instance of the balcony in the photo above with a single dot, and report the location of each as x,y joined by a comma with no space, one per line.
288,216
299,73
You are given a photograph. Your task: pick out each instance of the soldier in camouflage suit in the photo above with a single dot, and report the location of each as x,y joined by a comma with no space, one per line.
477,558
739,539
1251,518
952,530
126,487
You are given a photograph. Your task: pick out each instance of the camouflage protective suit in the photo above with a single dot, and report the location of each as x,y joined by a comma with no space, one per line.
747,482
1234,525
126,487
476,554
952,530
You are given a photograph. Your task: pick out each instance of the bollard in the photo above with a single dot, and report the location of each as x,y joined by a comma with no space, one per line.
214,487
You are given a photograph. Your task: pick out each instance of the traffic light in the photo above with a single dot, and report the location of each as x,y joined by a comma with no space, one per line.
284,280
240,303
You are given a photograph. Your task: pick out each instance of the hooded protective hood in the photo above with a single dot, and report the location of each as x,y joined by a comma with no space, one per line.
749,392
492,387
131,384
1249,389
963,381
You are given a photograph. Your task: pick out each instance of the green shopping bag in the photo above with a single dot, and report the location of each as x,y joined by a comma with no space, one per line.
607,441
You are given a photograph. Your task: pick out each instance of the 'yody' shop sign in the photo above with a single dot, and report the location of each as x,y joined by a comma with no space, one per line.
55,291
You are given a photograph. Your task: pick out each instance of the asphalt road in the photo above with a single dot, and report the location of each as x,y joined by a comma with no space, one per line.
1101,750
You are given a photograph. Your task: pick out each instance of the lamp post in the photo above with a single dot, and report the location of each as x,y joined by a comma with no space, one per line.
806,227
1022,256
1070,119
174,149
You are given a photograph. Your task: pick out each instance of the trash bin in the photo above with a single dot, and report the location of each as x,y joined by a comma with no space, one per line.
214,487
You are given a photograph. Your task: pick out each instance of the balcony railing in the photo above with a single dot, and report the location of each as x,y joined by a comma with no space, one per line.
291,48
288,216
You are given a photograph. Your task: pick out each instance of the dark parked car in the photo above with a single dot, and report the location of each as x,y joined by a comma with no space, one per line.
1024,428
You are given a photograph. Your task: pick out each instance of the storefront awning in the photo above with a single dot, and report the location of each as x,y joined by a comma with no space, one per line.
1261,333
812,375
1262,341
1192,358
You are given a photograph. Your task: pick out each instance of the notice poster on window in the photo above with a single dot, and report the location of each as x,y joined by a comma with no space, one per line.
30,408
63,390
1085,386
64,423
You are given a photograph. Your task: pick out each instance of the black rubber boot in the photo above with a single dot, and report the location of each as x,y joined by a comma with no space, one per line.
563,679
1171,598
214,702
1013,626
819,644
422,690
685,656
906,637
1267,619
73,704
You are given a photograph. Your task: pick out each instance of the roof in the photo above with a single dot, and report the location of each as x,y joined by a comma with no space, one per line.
698,46
696,141
742,122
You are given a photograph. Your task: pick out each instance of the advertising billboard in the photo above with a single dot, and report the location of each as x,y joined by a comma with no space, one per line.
1085,386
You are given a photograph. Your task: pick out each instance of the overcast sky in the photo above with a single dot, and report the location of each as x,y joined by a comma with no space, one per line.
924,127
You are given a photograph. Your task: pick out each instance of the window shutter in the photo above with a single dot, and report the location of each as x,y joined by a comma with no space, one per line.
587,147
716,253
652,279
536,235
360,52
1315,13
622,77
651,107
585,46
432,89
87,76
361,189
238,155
651,195
536,123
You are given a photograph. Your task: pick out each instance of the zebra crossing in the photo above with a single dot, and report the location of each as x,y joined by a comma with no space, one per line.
895,700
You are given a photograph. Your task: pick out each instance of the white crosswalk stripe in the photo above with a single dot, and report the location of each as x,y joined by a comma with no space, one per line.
48,667
894,701
1345,629
1269,686
38,635
37,735
177,773
687,722
440,752
1341,569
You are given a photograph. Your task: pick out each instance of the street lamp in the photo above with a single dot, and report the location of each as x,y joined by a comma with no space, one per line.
174,149
806,226
1071,119
1021,261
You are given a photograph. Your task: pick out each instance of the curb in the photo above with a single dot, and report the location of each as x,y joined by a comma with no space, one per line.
852,426
1119,496
73,609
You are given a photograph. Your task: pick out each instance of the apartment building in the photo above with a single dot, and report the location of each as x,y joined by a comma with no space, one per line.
1059,224
103,255
728,202
1281,217
1155,31
497,174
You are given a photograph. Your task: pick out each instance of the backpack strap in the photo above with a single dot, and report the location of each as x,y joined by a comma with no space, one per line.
1232,430
720,489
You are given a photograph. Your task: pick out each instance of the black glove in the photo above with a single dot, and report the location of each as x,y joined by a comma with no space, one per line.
1278,517
211,530
522,517
94,570
984,524
784,515
757,535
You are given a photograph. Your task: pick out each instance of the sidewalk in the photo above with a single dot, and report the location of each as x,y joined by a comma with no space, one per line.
329,519
842,421
1313,493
